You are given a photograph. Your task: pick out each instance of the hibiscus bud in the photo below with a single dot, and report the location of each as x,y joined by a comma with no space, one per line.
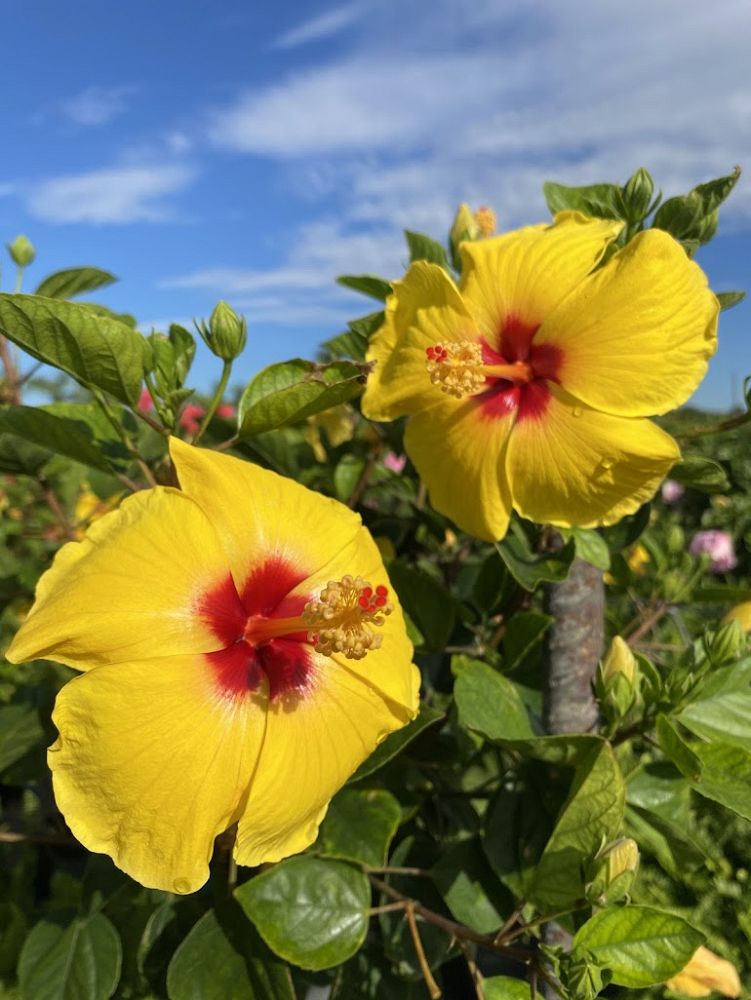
705,974
637,195
741,613
618,679
465,226
225,333
613,872
727,643
708,227
22,251
718,545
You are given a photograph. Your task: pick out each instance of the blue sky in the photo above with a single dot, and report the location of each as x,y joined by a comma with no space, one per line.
252,152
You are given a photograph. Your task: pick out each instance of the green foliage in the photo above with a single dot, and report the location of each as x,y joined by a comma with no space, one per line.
466,833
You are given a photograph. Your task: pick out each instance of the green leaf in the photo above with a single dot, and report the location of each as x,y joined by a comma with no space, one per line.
367,284
714,192
640,945
592,815
530,570
627,530
13,929
505,988
74,281
20,458
592,547
488,702
470,889
20,730
96,351
311,912
517,829
722,709
359,826
729,299
700,474
347,475
223,957
366,326
524,632
428,604
604,201
422,247
287,392
78,962
675,747
674,850
725,776
680,216
72,438
396,742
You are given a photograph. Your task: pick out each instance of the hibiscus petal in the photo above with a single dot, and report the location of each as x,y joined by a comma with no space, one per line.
426,309
459,452
388,669
263,519
572,465
152,762
636,336
312,745
134,588
520,277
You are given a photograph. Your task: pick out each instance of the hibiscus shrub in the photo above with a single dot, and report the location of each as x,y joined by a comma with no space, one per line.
243,795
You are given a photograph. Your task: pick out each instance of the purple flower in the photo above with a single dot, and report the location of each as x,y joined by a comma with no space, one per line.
718,545
393,462
671,491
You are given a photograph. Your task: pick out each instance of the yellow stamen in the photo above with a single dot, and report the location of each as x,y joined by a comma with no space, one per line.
339,620
459,370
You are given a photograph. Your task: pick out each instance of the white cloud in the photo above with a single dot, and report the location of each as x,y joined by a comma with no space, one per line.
97,105
118,195
325,25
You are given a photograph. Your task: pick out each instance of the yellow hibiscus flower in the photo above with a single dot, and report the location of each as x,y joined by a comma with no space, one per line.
705,974
527,386
242,654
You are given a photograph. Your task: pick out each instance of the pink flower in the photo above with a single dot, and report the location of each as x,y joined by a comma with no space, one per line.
190,418
671,491
718,545
393,462
226,411
145,402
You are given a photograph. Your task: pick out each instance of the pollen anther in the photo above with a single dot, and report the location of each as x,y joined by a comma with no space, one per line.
456,369
341,618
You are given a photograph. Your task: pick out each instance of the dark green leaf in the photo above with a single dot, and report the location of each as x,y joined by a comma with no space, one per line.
368,284
223,957
700,474
287,392
524,632
72,438
366,326
13,928
96,351
359,826
78,962
627,530
592,815
680,216
528,569
725,776
311,912
729,299
604,201
714,192
640,945
592,547
74,281
20,730
470,889
516,831
430,605
20,458
675,747
422,247
346,345
488,702
396,742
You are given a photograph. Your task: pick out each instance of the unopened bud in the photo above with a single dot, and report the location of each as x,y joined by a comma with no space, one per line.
637,195
727,643
22,251
708,226
613,872
618,679
225,333
465,226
